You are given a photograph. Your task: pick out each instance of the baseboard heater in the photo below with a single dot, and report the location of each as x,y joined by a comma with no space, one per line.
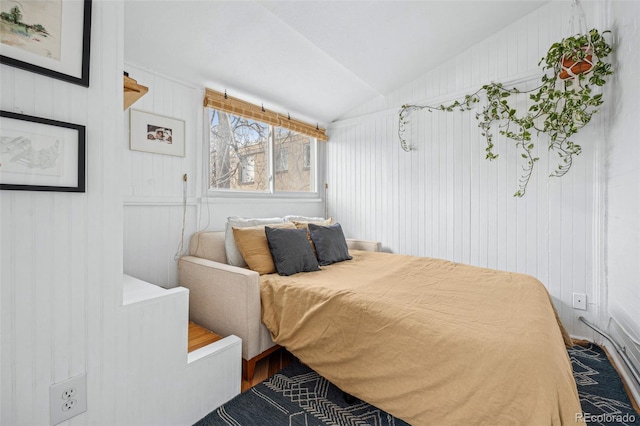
621,351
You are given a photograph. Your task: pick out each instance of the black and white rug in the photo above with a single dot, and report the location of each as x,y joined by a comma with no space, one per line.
299,396
602,395
295,396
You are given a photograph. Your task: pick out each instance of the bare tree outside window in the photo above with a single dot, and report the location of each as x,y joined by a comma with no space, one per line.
247,169
238,153
290,145
239,156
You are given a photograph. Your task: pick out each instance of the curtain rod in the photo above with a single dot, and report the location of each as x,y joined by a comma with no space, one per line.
224,102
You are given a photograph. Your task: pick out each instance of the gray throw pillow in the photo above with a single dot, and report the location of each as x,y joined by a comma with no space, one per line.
291,251
331,246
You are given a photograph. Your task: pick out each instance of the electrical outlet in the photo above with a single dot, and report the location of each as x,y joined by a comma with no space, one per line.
69,393
580,301
68,398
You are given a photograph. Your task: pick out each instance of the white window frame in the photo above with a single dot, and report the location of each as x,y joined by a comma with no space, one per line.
271,193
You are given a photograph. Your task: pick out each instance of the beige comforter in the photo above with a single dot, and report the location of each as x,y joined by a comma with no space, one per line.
430,341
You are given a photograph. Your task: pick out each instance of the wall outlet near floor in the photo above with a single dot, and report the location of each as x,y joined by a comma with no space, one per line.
68,398
580,301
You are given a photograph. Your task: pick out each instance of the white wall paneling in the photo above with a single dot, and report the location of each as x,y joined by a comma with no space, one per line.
148,175
153,238
444,200
153,184
61,253
61,293
623,183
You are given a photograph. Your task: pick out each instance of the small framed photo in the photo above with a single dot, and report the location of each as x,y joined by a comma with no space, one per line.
38,154
156,133
52,38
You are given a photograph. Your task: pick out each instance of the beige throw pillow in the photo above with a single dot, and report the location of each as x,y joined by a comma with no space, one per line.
305,225
234,257
253,245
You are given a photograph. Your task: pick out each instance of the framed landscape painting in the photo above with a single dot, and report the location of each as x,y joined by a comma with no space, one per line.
38,154
50,37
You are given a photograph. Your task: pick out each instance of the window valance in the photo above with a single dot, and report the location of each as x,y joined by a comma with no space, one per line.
225,103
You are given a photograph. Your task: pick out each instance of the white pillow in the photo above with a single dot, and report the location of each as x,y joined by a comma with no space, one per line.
233,254
293,218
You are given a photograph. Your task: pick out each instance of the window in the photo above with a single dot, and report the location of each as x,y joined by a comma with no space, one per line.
238,153
243,153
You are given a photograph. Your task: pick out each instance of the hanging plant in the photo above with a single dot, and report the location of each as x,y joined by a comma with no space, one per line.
562,105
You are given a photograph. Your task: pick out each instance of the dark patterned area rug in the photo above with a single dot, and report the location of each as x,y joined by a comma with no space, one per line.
299,396
603,398
295,396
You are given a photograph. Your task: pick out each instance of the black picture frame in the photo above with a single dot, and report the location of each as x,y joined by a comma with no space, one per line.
40,154
71,68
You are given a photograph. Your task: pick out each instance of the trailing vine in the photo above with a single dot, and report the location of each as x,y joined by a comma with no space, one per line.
563,104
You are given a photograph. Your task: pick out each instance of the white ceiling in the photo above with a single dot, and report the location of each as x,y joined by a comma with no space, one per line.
314,59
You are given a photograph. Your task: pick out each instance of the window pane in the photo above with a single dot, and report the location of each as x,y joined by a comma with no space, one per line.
238,153
293,164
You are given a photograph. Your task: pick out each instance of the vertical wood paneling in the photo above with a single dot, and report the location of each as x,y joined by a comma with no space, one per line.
154,186
47,263
623,183
149,252
446,200
157,175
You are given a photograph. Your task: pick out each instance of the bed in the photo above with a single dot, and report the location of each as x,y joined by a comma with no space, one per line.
428,340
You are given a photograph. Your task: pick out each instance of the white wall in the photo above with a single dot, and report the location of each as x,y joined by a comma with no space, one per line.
61,255
61,294
623,182
445,200
61,261
153,186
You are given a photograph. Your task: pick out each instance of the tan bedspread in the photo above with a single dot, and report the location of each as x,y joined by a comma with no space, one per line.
430,341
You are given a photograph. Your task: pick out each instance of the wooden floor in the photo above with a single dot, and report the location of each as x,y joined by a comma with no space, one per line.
266,367
269,366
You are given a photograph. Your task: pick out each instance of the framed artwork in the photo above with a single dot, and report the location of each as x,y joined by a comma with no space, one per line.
50,37
156,133
38,154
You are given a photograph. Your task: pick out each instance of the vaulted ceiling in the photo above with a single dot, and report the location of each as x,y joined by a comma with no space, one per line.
315,59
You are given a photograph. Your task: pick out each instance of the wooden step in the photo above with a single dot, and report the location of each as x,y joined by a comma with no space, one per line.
200,336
